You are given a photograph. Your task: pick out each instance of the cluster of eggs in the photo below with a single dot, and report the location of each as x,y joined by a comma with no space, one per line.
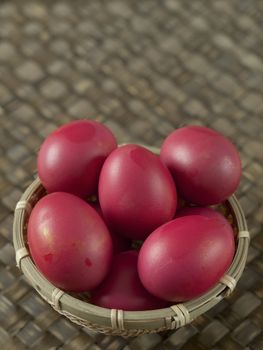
102,199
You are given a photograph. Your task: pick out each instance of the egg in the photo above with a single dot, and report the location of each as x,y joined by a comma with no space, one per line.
186,257
69,243
70,158
205,165
122,288
136,192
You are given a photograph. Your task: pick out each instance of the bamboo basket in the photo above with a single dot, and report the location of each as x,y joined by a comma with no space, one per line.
119,322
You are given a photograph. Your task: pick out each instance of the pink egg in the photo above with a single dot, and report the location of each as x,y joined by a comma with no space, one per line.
69,242
205,165
120,243
122,288
70,159
136,192
186,257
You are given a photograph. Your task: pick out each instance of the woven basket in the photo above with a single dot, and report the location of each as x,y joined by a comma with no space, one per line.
119,322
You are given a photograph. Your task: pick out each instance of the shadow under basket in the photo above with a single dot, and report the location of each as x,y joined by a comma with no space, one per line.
119,322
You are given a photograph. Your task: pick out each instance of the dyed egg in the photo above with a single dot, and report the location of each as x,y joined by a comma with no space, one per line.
69,242
122,288
70,159
186,257
136,192
205,165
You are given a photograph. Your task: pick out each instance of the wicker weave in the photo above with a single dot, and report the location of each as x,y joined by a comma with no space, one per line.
119,322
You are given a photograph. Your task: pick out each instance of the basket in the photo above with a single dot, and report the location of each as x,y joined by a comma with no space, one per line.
119,322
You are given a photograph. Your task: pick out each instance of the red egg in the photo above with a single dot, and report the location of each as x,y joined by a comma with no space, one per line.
136,192
69,242
205,165
122,288
120,243
70,159
186,257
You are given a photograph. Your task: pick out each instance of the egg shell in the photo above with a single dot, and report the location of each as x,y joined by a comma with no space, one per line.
136,192
122,288
205,165
69,242
186,257
70,158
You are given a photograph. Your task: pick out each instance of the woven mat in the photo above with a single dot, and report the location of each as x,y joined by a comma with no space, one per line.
143,68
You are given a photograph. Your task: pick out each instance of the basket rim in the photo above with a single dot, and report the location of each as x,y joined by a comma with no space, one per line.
85,313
